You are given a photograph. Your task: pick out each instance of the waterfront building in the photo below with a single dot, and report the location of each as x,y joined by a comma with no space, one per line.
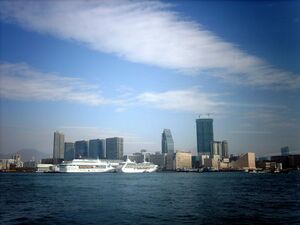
167,143
202,157
288,162
45,167
195,161
12,163
69,151
97,149
212,162
6,164
114,148
205,135
245,162
183,160
58,145
81,149
285,151
30,164
158,159
170,161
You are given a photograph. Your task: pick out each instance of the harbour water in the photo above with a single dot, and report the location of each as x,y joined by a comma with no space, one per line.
156,198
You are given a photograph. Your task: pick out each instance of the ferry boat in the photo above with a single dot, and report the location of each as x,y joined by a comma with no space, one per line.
133,167
85,166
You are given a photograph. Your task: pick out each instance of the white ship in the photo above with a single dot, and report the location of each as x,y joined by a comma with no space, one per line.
85,166
133,167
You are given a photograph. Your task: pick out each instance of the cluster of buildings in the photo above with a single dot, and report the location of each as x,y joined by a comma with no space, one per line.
13,163
212,155
109,148
279,163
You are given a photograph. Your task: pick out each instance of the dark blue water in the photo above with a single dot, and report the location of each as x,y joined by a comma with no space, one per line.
157,198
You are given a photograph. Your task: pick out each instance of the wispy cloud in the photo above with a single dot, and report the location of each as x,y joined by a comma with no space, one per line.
191,100
22,82
148,32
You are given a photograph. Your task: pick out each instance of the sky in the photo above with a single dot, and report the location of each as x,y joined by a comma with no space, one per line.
99,69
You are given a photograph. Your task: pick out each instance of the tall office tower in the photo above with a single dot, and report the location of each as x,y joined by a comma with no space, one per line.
114,148
216,148
225,153
58,145
167,143
205,135
285,151
97,149
81,150
69,151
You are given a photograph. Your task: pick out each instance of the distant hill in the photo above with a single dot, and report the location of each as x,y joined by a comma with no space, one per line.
26,155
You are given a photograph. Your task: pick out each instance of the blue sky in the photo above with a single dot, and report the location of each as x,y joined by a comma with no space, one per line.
131,68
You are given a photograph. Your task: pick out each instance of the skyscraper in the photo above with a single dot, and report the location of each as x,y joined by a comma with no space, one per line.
58,145
216,148
69,151
81,150
114,148
167,143
285,151
205,135
97,149
225,153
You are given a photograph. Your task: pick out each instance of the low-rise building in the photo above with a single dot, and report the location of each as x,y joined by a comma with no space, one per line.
288,161
45,167
183,160
212,162
158,159
170,161
245,162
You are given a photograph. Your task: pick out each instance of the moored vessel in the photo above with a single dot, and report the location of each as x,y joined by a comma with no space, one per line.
85,165
133,167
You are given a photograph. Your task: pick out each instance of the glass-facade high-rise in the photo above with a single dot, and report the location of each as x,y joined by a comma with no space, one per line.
69,151
81,150
205,135
285,151
58,145
114,148
167,143
97,149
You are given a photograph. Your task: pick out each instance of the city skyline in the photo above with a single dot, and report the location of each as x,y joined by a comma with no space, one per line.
130,69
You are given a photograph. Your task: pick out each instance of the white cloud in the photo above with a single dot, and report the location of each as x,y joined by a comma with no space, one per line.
191,100
147,32
20,81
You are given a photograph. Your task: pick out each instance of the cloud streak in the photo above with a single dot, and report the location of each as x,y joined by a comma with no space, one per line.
147,32
19,81
190,100
22,82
